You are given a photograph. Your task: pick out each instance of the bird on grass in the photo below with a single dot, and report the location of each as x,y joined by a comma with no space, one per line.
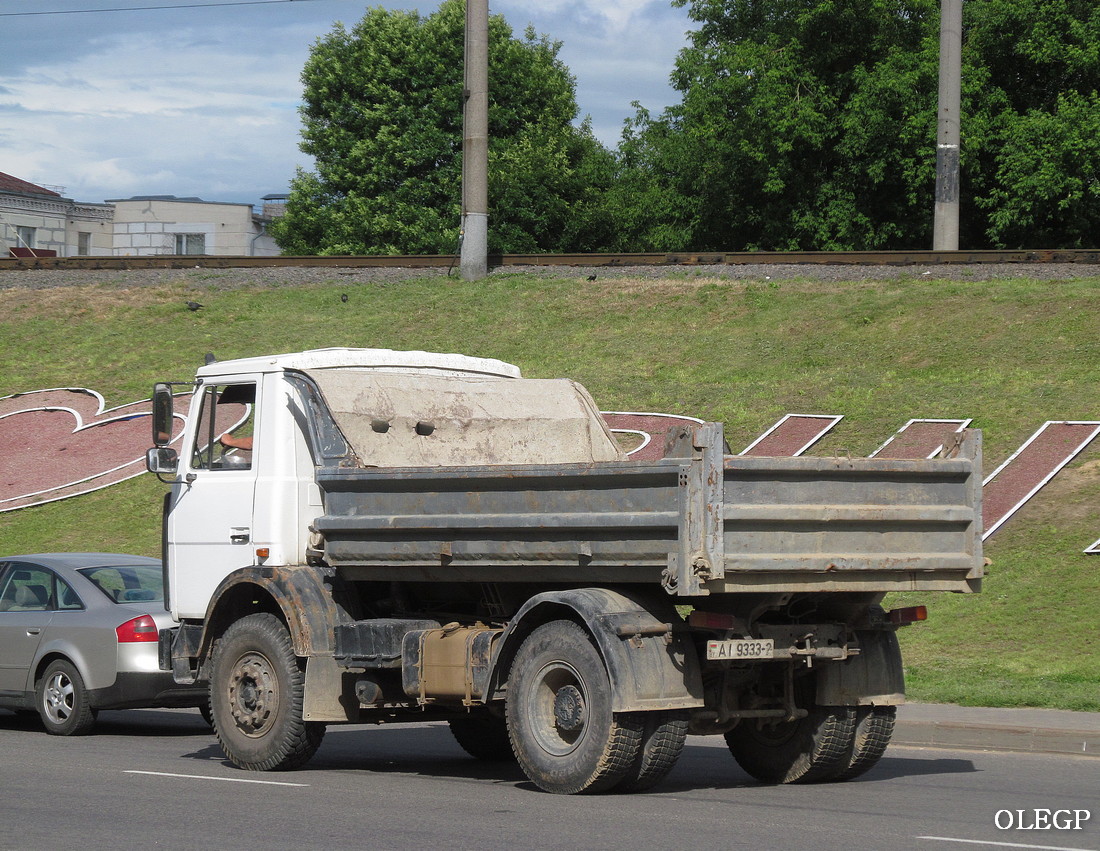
591,277
344,298
192,305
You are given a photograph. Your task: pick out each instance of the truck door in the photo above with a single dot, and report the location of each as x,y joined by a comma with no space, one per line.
210,519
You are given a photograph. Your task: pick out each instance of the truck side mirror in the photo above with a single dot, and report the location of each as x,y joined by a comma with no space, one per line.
162,415
162,459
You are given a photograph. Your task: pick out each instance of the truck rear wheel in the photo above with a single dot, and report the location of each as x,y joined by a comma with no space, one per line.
663,740
564,733
483,738
874,727
809,750
256,695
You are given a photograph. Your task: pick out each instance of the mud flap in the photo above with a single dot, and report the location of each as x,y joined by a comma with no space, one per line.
874,677
651,664
329,691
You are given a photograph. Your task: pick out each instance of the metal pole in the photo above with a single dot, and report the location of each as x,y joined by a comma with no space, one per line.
473,260
945,232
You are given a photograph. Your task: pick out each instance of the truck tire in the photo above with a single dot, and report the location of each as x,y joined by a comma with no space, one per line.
564,733
810,750
483,738
62,700
874,727
256,691
663,738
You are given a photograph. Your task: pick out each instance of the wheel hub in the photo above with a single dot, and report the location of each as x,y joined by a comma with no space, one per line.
253,695
569,708
59,693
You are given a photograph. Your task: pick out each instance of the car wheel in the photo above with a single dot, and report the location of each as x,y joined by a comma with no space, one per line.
564,733
256,697
62,700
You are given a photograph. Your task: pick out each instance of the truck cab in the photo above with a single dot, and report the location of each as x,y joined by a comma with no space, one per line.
243,487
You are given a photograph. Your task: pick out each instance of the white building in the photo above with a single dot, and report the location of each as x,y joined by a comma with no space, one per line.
36,220
164,224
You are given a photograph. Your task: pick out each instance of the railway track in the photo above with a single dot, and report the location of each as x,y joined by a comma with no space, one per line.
680,258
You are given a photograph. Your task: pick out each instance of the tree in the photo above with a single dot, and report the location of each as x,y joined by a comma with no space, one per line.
810,124
382,118
798,123
1031,125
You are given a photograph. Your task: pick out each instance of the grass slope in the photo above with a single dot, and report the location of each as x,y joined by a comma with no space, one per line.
1009,353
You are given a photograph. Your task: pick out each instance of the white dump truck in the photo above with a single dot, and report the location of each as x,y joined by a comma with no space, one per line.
371,536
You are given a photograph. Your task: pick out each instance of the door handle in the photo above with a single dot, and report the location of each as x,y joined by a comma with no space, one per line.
239,536
33,630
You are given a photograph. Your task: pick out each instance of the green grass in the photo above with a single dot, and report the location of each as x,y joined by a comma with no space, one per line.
1009,353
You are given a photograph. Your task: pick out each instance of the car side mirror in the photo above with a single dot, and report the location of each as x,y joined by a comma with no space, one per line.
162,415
162,459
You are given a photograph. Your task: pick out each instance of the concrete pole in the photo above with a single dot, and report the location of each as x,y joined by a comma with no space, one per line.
945,232
473,260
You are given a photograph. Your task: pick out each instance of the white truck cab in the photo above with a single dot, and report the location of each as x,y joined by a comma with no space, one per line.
252,504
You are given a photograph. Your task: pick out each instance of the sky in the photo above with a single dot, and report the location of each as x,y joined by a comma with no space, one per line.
201,100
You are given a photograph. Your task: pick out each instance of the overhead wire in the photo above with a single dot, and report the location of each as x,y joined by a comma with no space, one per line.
152,8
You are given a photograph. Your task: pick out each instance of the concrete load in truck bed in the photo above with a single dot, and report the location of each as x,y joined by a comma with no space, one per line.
423,420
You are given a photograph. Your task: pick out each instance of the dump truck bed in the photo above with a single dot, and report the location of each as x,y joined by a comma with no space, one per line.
702,523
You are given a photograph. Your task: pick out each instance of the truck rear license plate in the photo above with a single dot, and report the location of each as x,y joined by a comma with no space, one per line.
741,648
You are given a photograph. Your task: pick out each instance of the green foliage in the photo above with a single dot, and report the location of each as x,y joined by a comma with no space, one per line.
383,120
811,124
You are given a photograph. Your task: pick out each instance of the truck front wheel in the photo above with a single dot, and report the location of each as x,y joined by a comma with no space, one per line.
256,695
564,733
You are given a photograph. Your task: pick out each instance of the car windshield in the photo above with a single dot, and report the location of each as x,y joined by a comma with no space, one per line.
128,584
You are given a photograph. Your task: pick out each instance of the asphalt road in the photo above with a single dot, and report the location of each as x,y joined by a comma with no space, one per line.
157,779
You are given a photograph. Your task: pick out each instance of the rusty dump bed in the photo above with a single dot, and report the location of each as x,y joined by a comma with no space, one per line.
699,523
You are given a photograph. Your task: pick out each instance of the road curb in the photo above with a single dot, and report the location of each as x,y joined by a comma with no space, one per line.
985,729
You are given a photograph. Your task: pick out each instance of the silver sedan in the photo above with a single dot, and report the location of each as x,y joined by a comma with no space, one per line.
79,633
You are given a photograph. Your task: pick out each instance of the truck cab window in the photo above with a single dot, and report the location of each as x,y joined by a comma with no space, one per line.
226,433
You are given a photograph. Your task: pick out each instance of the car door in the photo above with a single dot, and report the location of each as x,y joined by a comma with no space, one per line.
26,609
210,514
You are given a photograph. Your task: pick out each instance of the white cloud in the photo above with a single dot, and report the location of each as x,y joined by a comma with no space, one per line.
204,102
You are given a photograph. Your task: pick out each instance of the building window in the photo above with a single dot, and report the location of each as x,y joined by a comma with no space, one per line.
26,236
83,244
190,243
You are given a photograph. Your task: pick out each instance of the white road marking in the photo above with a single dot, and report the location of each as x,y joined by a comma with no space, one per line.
1001,844
225,779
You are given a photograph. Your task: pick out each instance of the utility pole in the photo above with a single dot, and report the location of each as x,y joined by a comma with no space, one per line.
474,260
945,233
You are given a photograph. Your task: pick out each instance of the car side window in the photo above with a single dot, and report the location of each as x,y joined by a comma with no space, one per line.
67,598
26,588
7,589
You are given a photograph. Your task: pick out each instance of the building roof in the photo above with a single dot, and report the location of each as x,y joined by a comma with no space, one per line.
174,199
14,184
